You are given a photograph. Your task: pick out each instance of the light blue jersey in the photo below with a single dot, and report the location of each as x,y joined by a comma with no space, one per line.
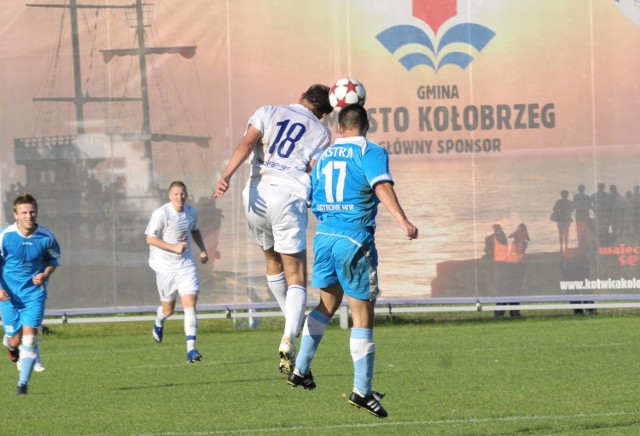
343,180
25,256
21,258
344,200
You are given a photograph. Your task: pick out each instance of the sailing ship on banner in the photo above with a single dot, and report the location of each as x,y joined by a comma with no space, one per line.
95,182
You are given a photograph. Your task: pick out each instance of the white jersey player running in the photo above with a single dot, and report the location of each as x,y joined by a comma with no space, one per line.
171,229
284,143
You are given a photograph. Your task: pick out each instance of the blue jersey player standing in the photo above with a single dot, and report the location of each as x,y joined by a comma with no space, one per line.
29,254
349,180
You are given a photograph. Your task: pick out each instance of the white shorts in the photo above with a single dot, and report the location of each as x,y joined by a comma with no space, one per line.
276,218
181,282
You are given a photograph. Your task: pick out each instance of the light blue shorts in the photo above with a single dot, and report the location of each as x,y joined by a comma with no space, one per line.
17,313
347,257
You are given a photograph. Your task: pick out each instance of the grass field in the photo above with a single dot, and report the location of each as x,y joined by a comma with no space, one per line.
535,375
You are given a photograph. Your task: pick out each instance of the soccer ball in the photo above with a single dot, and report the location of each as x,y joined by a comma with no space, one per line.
346,91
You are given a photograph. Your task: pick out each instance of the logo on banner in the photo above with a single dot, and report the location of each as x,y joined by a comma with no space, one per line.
630,8
442,50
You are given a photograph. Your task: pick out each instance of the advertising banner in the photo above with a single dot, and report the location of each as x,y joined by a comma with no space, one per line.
511,127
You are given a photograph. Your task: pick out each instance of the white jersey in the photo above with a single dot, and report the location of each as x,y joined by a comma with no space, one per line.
291,137
172,227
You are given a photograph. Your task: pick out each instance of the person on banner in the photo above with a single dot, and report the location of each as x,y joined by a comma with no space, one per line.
616,213
636,210
348,182
496,244
582,206
29,254
561,214
518,247
600,205
496,248
284,143
171,229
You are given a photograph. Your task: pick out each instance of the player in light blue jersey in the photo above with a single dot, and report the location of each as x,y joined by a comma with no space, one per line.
349,181
29,254
169,233
284,143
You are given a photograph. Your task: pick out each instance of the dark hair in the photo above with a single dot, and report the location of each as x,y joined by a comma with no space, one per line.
353,116
318,96
24,198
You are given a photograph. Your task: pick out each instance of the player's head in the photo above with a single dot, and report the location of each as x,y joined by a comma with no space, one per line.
318,96
25,212
353,117
24,198
178,195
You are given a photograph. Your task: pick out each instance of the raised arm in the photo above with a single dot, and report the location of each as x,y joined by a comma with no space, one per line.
240,154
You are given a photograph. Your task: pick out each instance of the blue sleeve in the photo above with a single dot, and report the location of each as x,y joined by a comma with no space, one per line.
375,164
52,255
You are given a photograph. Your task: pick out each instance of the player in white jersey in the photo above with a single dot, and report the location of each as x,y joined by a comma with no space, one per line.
29,254
349,180
284,143
170,231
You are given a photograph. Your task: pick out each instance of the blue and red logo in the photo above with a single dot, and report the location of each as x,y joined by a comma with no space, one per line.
439,51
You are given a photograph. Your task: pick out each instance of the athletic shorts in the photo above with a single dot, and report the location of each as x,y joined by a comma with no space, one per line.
347,257
276,218
17,313
181,282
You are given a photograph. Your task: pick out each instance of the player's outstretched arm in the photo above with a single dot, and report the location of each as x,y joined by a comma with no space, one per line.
240,154
387,196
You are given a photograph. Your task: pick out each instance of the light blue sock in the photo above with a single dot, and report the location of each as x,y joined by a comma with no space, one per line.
28,356
312,333
363,353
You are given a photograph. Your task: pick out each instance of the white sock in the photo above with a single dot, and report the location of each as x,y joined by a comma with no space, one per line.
296,305
160,317
5,342
190,327
278,287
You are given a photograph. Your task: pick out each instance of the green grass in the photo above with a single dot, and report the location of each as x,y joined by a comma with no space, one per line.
536,375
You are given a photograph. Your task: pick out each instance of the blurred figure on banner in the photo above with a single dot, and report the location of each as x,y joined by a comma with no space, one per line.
349,181
582,206
600,206
496,248
616,213
170,231
29,254
628,217
284,143
496,244
561,214
520,243
636,210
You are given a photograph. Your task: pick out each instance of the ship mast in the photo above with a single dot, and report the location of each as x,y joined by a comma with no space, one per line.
142,51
